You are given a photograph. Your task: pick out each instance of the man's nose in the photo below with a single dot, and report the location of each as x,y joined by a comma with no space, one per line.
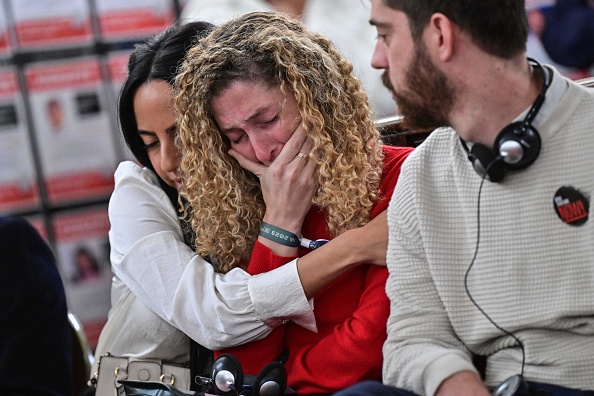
379,60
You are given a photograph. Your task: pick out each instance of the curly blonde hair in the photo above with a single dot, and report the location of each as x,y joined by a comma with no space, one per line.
269,48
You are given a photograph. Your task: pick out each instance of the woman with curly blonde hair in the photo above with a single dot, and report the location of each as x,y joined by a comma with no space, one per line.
259,97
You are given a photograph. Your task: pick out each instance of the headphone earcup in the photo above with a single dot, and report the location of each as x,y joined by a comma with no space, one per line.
271,381
482,159
226,371
521,144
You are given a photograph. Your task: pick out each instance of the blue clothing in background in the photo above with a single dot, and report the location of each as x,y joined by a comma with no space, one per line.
35,335
568,35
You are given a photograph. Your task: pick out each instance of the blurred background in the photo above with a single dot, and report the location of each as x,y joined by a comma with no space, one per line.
62,63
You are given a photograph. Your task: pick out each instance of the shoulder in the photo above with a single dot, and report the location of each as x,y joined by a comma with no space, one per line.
394,157
138,207
137,189
438,145
432,160
395,154
28,268
17,233
131,170
9,223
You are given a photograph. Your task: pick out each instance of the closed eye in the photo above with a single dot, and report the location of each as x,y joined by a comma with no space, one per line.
148,146
271,121
239,139
149,139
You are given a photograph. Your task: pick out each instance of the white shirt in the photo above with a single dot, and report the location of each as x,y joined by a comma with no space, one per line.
162,291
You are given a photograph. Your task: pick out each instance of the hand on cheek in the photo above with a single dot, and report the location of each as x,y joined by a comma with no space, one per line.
255,167
288,184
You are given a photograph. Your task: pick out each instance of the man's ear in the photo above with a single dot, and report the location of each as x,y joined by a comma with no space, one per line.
439,36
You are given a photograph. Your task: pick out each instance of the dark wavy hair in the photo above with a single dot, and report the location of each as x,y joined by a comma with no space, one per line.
156,59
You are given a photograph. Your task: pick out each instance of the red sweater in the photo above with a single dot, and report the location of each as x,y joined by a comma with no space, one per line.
351,314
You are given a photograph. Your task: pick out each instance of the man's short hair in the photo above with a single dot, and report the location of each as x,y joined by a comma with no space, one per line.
498,27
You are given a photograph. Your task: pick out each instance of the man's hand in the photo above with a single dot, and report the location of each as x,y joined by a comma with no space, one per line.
464,383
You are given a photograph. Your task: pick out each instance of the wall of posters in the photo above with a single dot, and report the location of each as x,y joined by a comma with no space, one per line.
73,128
5,42
133,18
18,180
42,23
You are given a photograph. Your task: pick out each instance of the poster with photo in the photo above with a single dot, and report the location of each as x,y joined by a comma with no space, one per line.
18,180
117,69
5,44
120,20
73,130
82,250
42,23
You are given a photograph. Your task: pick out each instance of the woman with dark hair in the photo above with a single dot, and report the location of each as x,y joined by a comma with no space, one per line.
163,294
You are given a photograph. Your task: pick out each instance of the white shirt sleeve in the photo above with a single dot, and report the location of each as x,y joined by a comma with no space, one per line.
148,254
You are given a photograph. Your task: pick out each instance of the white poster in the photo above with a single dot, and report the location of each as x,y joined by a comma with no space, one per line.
18,181
73,129
51,22
133,18
82,250
4,32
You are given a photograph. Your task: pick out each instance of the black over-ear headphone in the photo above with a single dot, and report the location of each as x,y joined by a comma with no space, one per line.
227,375
271,381
227,378
517,146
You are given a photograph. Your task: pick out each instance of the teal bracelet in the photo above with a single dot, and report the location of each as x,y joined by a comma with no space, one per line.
279,235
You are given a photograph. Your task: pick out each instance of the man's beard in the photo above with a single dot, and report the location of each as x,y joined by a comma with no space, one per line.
428,97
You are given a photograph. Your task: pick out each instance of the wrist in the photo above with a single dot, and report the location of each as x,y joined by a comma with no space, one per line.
462,383
291,225
279,235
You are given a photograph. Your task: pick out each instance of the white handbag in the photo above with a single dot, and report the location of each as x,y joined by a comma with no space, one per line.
112,369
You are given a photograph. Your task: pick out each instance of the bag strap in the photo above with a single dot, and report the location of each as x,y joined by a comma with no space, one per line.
201,359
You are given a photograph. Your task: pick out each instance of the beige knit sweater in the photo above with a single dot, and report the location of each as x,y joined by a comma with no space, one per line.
533,274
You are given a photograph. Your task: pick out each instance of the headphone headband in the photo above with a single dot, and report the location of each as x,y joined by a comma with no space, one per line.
547,79
517,146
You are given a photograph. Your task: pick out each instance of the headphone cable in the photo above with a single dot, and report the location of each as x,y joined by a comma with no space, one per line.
478,237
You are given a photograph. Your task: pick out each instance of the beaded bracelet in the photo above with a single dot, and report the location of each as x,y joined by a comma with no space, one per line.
279,235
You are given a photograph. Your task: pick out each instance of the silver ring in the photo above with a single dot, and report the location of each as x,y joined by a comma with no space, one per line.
302,155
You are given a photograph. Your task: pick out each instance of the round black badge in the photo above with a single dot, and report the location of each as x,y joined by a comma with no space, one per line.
571,206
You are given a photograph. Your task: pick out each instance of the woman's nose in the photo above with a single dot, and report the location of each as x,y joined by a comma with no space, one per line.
264,150
170,156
